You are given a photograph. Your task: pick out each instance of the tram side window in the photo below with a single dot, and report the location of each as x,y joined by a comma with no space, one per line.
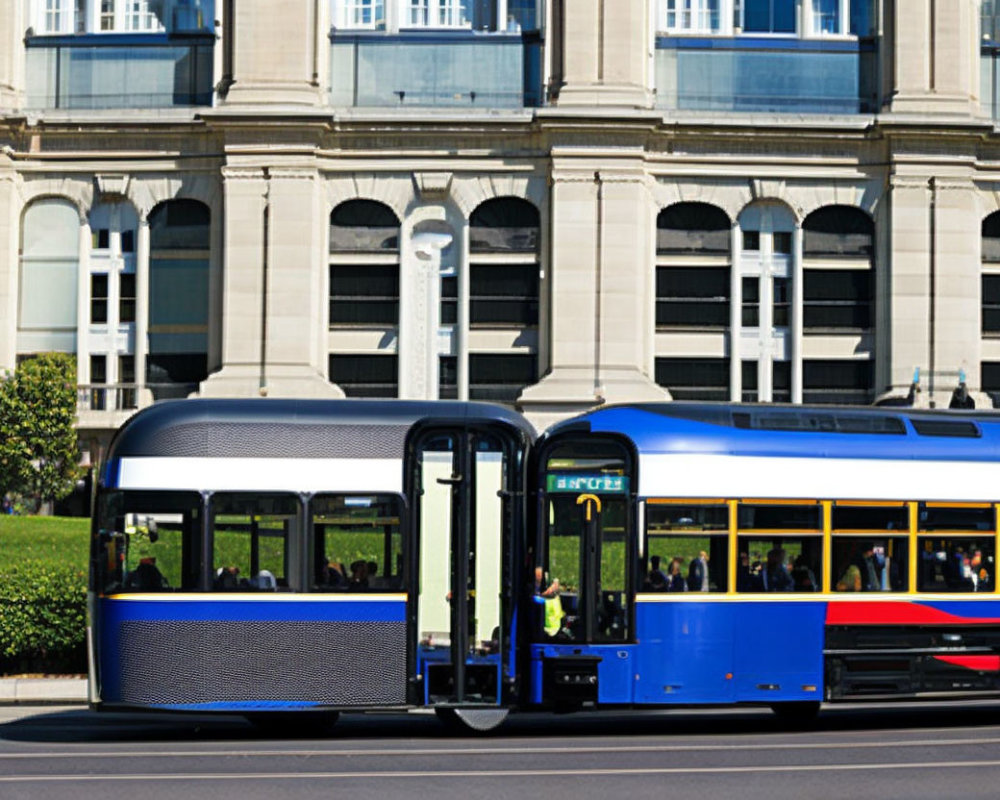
687,547
780,548
147,542
870,548
956,547
254,541
357,543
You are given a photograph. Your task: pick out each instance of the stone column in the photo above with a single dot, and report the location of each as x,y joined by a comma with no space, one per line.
797,313
935,56
605,53
276,53
735,314
908,303
601,278
957,274
243,370
12,27
10,235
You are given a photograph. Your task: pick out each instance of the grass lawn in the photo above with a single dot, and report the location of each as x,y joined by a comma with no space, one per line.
56,541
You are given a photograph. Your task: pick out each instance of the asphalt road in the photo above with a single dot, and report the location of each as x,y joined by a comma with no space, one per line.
941,751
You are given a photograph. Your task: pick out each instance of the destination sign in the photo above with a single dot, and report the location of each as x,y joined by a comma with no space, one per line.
577,483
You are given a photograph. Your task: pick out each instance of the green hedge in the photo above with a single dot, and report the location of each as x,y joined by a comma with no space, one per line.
43,619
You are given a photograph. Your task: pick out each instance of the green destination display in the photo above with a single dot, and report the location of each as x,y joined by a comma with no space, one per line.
578,482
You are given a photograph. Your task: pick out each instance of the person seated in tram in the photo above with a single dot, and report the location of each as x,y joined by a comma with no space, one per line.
981,575
871,577
656,578
675,579
146,577
803,576
359,576
776,575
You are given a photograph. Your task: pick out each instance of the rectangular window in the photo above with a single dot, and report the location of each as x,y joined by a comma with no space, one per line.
365,13
126,297
781,382
368,375
751,240
780,548
503,295
448,378
769,16
364,294
419,13
751,302
100,239
955,563
991,304
357,543
781,292
748,380
692,297
781,243
870,548
253,538
837,299
691,16
841,382
148,542
128,241
53,16
687,547
453,13
694,378
107,15
126,380
825,17
501,377
99,299
98,377
449,300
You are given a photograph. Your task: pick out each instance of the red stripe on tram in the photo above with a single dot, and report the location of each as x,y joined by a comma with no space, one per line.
981,663
902,613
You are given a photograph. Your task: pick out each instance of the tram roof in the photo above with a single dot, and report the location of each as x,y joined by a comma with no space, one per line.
300,428
796,431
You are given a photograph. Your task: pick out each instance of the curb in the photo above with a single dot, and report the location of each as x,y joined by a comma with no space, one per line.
37,691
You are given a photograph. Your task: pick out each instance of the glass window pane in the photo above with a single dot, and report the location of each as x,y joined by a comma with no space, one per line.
358,543
252,537
779,564
870,565
956,564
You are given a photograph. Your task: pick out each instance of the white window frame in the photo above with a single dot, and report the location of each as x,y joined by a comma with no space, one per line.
686,17
434,14
811,21
349,14
138,18
53,17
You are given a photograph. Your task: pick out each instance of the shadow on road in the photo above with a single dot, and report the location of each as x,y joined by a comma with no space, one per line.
81,725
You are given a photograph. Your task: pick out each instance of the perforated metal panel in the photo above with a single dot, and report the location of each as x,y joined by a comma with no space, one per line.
348,664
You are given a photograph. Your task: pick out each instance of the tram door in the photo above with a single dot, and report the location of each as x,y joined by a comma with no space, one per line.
462,488
586,546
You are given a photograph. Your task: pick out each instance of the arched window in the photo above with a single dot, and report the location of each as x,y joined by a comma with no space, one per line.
697,228
834,231
504,242
180,236
364,293
50,257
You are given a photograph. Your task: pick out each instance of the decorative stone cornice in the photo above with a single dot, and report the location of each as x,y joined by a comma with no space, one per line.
111,185
243,173
909,182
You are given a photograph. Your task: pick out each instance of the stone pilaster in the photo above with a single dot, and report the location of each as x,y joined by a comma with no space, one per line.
12,27
276,53
605,53
9,237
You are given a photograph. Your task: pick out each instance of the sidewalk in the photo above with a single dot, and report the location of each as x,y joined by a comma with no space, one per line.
37,691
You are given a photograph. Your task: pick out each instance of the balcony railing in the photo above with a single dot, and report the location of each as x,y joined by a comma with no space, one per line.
461,69
107,397
747,73
119,71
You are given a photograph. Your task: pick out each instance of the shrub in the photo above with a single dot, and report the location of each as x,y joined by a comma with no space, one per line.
43,618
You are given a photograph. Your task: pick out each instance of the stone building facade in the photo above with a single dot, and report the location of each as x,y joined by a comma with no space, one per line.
550,203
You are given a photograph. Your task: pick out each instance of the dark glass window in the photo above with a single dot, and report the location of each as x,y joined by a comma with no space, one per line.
956,563
357,543
128,241
695,297
360,226
504,224
751,302
449,300
779,563
991,238
503,294
175,375
870,564
126,297
781,242
694,378
253,539
751,240
837,299
180,225
748,372
838,231
989,380
693,228
126,393
870,518
781,381
99,299
364,294
769,16
369,375
100,239
781,292
501,377
841,382
991,304
448,378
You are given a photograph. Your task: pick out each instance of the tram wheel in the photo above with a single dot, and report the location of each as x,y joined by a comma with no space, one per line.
800,712
472,720
292,724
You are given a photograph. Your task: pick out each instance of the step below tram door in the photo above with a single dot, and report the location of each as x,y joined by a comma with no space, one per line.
464,490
